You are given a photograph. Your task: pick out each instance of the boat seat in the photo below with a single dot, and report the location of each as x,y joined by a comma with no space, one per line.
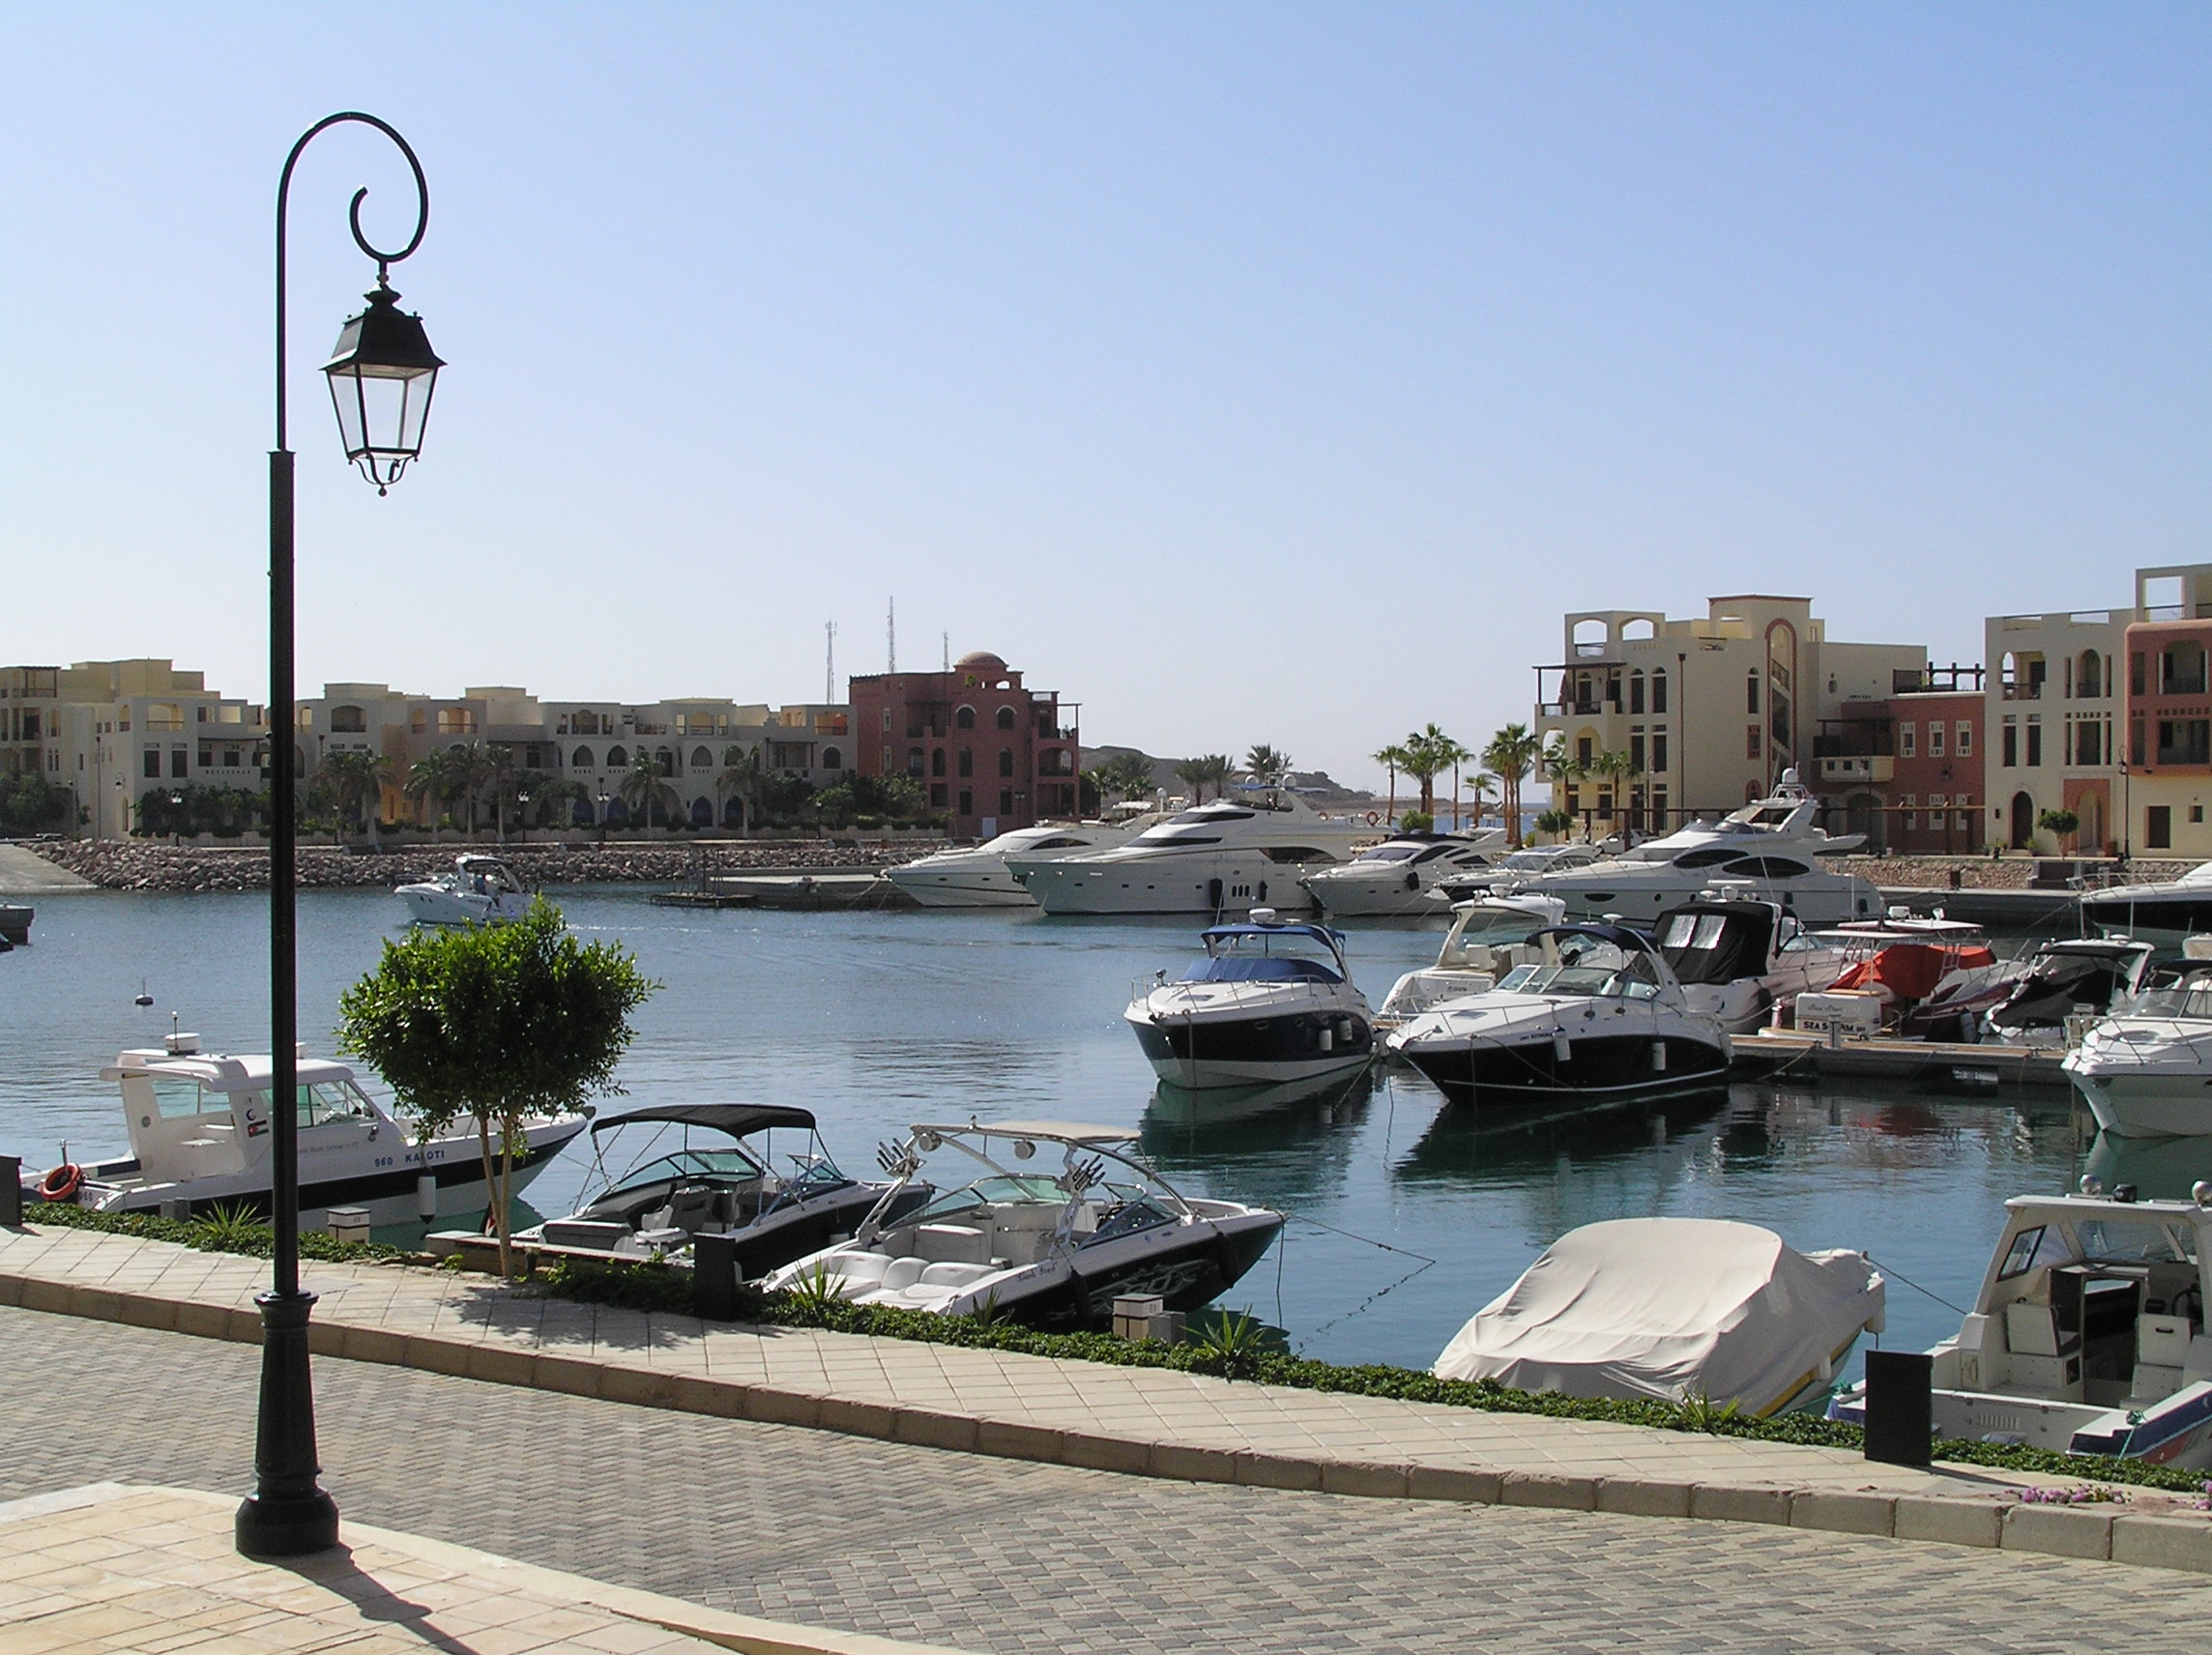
917,1296
2153,1382
2032,1331
953,1275
903,1273
2161,1342
860,1270
952,1244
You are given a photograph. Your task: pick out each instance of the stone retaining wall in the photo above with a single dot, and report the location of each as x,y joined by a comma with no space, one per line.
1978,873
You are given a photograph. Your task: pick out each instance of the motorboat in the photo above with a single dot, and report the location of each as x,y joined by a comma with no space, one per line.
199,1133
1591,1016
481,891
1477,950
2146,1071
1738,957
2165,913
976,876
2056,990
1906,976
1246,851
1772,844
1516,869
15,924
2087,1336
1049,1248
1396,876
1269,1002
1670,1309
659,1202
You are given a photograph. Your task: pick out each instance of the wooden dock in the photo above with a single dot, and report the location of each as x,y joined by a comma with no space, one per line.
1944,1065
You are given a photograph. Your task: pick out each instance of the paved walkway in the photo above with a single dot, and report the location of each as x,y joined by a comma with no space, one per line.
1145,1421
25,873
112,1567
1000,1555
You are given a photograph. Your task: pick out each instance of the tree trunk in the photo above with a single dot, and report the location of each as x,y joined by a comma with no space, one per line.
490,1186
506,1198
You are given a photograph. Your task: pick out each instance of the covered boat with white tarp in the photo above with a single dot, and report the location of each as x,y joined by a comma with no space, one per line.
1664,1309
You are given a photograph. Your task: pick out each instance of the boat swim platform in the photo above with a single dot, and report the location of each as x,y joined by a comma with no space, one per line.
1139,1421
1947,1065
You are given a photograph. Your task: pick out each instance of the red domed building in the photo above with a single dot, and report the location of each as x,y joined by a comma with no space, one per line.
990,754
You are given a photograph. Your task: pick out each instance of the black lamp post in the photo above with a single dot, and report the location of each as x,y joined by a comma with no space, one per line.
381,377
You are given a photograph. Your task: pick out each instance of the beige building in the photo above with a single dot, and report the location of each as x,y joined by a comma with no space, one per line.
1708,712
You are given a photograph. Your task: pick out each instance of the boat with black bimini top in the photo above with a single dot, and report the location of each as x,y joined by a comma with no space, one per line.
199,1134
658,1203
1049,1248
1271,1001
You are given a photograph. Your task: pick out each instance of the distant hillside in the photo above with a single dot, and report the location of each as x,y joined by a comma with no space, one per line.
1315,786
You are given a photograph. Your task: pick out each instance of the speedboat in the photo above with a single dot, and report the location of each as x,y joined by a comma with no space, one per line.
1049,1248
2146,1071
2087,1336
1669,1309
481,891
2165,913
1521,867
1270,1001
1738,957
1396,876
1593,1016
199,1133
1906,975
2063,986
976,876
726,1186
1232,854
1772,844
1477,950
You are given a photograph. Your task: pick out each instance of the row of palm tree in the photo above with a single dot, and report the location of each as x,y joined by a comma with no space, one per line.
1506,760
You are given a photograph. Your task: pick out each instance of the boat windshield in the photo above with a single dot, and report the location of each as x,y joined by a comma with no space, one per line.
727,1163
1501,924
1396,850
2130,1241
1003,1191
2190,998
1261,956
1595,967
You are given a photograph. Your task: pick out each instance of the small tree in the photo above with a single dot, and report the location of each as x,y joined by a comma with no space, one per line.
504,1024
1556,823
2059,823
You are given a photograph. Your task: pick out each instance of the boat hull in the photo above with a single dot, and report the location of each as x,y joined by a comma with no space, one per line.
1261,1050
976,888
1594,1070
2148,1105
434,905
1222,882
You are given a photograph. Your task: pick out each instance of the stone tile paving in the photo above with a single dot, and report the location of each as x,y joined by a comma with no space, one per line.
1004,1555
1135,1405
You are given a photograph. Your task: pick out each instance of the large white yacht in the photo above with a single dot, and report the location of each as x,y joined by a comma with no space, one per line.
976,876
1771,845
2165,913
1396,876
1237,853
2146,1070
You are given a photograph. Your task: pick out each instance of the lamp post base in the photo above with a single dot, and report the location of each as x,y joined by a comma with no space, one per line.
289,1514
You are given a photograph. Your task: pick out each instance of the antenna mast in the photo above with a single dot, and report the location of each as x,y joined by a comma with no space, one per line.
890,633
829,665
948,637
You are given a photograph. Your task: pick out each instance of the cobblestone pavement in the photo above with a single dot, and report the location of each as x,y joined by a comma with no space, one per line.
1004,1555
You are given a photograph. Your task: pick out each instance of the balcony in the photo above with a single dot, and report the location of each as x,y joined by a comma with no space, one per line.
2029,691
1872,768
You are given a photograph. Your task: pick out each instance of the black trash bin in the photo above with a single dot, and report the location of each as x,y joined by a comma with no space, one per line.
714,1276
1899,1406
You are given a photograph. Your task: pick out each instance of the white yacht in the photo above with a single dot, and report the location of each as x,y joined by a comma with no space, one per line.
1053,1248
199,1132
1772,844
1268,1002
976,876
2165,912
1739,957
1516,869
2087,1336
1228,857
2146,1071
1477,950
481,891
1592,1017
1396,876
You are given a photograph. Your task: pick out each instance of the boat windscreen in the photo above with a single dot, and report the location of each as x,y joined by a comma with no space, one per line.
1710,948
1258,969
732,1164
1396,850
990,1192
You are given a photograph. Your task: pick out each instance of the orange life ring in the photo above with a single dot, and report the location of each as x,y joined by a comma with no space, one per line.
62,1182
1374,818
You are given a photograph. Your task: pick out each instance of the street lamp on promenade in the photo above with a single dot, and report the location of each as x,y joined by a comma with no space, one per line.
380,376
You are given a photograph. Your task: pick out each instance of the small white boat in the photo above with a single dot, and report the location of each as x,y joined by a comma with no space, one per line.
976,876
1477,950
1396,876
1050,1248
1270,1001
658,1203
1517,870
2087,1336
1738,957
1669,1309
481,891
2146,1071
1589,1016
199,1133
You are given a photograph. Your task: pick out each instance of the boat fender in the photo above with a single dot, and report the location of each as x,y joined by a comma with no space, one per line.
1563,1048
1374,818
60,1183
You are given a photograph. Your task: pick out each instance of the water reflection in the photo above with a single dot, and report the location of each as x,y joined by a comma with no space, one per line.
2162,1169
1467,1146
1285,1144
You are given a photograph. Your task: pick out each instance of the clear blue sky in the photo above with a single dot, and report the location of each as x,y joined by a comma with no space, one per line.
1247,372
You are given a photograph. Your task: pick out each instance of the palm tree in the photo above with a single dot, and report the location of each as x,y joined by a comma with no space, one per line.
1562,769
1429,753
1218,770
467,770
427,783
1482,785
357,780
1265,761
1612,768
1193,774
1394,759
642,789
741,778
503,775
1512,753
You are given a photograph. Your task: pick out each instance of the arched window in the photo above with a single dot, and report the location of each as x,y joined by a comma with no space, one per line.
616,759
2088,675
580,759
702,813
1636,690
702,759
1750,692
348,721
1589,638
587,722
1638,629
1006,761
914,761
965,719
1659,690
667,760
1005,718
967,762
832,759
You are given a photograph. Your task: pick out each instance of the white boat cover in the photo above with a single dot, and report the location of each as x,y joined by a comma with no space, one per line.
1666,1308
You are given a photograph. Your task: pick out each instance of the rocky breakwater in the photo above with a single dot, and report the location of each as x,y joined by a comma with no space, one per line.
1978,873
130,865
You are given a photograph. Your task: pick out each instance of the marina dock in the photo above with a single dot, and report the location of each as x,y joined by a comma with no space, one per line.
1942,1064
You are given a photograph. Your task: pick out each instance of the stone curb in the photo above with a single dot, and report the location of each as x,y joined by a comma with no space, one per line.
2105,1533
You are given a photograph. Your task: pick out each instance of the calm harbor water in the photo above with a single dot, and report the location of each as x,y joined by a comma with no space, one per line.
1407,1215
